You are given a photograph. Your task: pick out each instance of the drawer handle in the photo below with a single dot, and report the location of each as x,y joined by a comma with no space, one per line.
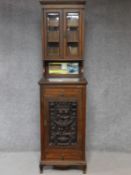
62,94
62,157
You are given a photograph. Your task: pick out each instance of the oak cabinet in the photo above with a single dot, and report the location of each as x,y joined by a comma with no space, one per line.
63,86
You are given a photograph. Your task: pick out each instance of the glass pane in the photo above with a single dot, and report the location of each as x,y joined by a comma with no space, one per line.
63,68
72,49
73,19
53,49
53,34
53,19
72,28
72,35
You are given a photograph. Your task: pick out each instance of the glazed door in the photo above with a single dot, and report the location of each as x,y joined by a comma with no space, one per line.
53,34
73,34
63,124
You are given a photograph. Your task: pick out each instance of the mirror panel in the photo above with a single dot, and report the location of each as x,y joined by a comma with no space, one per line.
65,68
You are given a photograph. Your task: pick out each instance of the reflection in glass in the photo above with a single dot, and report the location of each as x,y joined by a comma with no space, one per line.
63,68
53,49
53,19
72,34
72,49
73,19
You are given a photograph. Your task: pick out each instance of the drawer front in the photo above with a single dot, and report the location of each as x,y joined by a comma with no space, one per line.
62,92
60,154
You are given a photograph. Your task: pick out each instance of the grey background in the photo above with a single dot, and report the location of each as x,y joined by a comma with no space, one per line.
107,68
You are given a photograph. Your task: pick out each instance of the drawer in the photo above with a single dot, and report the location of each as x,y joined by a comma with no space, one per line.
58,154
62,91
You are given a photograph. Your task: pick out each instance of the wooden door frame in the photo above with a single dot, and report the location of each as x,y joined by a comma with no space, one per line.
45,50
65,11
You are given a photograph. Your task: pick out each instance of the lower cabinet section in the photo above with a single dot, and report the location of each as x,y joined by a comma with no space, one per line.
63,123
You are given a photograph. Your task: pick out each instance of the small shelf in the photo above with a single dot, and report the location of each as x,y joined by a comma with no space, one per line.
53,24
53,49
53,28
70,25
73,48
53,36
73,51
72,36
72,41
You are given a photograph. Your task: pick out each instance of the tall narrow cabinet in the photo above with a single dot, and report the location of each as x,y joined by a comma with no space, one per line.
63,86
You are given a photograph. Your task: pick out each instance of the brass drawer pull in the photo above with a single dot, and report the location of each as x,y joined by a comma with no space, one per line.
62,94
62,157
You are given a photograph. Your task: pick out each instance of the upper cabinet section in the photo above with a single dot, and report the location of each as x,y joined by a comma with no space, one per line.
63,30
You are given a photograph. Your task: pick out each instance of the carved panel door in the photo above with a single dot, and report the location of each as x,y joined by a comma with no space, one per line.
62,117
63,123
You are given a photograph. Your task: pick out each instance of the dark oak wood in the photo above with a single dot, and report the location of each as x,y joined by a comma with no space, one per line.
62,2
63,96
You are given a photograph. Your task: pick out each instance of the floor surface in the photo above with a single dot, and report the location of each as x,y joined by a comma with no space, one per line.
99,163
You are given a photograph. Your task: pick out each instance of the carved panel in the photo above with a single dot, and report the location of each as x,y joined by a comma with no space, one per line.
63,123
